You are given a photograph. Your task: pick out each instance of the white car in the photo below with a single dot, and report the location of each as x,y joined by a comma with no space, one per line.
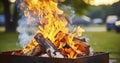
113,23
110,22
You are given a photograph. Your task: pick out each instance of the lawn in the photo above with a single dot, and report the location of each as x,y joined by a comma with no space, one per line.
105,42
99,41
8,41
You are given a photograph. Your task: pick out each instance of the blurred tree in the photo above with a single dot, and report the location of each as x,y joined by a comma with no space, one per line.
1,7
111,9
16,11
79,6
104,10
97,12
10,21
116,8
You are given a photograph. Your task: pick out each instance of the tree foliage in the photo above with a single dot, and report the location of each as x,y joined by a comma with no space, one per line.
10,21
116,8
1,6
79,6
104,11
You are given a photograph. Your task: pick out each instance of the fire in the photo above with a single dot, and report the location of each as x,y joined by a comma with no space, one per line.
49,14
52,26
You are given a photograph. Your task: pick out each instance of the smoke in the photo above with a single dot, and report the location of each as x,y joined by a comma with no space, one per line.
27,25
26,30
68,10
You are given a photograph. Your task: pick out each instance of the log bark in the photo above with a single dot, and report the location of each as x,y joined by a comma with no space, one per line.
51,50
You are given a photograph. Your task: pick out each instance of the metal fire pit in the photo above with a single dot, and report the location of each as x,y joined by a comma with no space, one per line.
98,57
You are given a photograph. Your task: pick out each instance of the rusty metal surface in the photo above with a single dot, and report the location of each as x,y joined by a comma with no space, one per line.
99,57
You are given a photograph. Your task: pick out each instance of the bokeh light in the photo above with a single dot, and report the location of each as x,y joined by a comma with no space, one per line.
12,1
100,2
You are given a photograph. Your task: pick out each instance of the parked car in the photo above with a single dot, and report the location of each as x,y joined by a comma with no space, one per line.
81,20
97,21
112,23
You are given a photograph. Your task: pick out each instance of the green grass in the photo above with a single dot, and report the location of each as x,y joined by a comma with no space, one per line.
8,41
105,42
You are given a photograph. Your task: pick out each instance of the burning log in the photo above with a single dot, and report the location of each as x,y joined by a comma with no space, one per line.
75,48
33,49
37,51
82,45
61,47
53,35
68,52
51,50
78,46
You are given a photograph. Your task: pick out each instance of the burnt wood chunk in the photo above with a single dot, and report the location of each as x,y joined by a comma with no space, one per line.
83,46
48,46
38,50
78,45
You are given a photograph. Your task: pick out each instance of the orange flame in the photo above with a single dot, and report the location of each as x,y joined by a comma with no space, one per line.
53,26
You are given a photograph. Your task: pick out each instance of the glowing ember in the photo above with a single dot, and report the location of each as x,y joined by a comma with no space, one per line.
52,26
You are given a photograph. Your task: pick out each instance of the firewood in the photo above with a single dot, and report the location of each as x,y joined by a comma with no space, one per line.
33,49
19,52
38,50
82,45
68,52
51,50
60,48
79,46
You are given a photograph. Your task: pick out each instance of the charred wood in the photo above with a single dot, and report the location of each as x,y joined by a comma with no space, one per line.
32,49
78,45
37,51
82,45
51,50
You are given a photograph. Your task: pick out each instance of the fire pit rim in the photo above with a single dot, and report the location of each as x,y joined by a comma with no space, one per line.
86,56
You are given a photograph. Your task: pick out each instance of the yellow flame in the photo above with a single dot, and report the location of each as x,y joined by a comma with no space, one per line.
30,46
49,14
52,21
